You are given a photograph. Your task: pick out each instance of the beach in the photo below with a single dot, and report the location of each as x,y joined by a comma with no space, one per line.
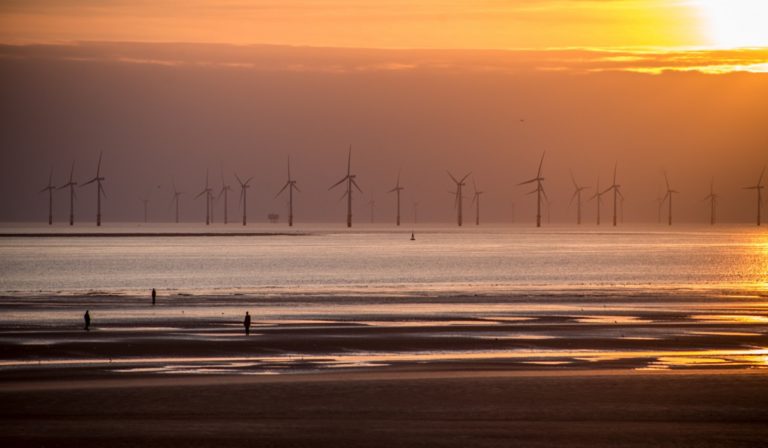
541,370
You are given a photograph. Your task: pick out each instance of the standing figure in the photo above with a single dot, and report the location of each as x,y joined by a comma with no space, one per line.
87,319
247,323
154,296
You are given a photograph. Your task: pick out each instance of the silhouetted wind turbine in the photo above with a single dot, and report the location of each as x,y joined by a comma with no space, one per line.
208,192
476,201
539,190
244,196
49,188
668,197
225,191
175,198
599,196
290,184
459,199
72,195
350,180
397,191
99,191
712,197
759,187
577,195
616,193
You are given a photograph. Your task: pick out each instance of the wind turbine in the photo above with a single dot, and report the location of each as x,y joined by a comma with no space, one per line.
49,188
459,199
616,193
539,190
759,187
350,180
476,201
208,192
712,197
577,195
599,196
397,191
99,191
175,198
225,191
244,196
290,184
668,197
72,195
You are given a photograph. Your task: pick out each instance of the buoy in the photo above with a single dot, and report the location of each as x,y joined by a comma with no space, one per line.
413,237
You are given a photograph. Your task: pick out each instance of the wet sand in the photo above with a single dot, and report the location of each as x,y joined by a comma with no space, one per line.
422,408
459,371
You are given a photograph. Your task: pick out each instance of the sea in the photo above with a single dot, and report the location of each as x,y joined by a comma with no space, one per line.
381,260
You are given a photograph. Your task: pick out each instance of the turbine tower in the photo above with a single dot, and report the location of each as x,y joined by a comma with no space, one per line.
71,184
290,184
476,201
244,196
759,187
49,188
99,191
208,192
459,200
539,190
350,180
397,191
616,193
577,195
175,199
225,191
712,198
599,196
668,197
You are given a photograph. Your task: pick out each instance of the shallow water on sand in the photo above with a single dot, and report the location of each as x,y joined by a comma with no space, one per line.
377,260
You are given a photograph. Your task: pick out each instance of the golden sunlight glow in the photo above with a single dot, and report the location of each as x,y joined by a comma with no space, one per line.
737,23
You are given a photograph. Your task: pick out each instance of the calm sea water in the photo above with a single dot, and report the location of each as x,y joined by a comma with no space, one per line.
331,260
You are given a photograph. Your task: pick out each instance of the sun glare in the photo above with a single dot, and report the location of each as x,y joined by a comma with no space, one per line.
737,23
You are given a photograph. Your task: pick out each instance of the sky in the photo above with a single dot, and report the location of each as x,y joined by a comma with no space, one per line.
168,91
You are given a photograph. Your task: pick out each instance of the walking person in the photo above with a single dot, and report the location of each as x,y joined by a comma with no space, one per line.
247,323
154,295
87,319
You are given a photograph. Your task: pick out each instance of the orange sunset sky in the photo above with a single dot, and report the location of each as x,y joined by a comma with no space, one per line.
167,89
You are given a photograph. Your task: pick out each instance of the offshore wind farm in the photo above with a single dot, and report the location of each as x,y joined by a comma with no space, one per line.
549,229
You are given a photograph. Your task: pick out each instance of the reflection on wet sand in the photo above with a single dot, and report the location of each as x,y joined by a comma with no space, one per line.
196,336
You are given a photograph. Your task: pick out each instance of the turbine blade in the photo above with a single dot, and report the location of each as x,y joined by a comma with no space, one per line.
576,193
296,187
760,180
349,161
238,179
666,179
98,167
89,182
289,167
465,177
528,182
452,178
356,186
101,190
282,189
339,182
541,163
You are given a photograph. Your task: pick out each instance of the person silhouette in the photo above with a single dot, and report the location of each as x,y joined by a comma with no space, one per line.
87,319
154,295
247,323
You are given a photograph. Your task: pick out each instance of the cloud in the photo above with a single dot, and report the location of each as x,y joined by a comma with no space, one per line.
346,60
